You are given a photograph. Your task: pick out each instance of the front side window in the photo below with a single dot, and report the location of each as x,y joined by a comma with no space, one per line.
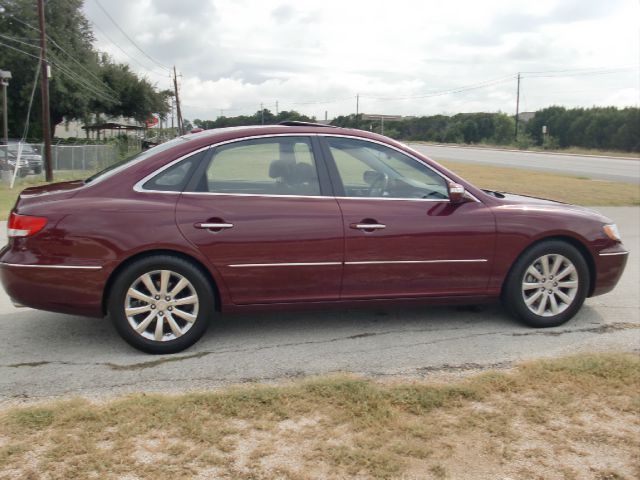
266,166
369,169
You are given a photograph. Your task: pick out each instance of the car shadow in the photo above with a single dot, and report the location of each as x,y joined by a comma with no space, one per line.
61,337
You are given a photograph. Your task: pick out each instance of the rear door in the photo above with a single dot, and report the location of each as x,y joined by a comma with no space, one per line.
262,211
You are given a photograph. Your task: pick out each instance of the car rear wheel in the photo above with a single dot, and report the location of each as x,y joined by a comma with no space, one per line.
547,285
161,304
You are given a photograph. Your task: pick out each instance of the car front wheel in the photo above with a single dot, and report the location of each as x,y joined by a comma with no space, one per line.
547,285
161,304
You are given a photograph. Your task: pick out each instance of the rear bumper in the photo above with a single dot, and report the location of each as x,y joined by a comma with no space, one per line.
610,264
57,288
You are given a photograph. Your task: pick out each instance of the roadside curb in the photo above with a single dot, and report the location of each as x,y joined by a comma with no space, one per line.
636,159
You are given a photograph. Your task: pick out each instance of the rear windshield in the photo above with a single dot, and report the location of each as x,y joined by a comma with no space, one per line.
125,163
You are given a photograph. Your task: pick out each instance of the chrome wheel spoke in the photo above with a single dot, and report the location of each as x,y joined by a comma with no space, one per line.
567,271
145,323
159,332
557,262
532,299
179,287
133,293
568,284
533,271
148,282
542,306
184,315
190,300
164,281
137,310
173,325
563,297
553,304
544,261
531,286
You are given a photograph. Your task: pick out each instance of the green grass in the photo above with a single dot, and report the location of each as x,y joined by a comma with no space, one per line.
344,426
565,188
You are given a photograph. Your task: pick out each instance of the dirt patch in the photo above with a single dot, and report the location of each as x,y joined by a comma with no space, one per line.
571,419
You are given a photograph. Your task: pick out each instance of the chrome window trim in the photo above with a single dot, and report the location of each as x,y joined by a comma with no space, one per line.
322,197
68,267
138,186
612,254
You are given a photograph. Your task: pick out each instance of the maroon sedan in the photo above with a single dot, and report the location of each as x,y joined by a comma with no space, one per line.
265,217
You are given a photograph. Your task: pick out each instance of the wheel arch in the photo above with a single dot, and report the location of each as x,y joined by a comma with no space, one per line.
574,242
150,253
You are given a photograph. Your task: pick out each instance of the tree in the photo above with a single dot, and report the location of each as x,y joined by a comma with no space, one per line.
83,81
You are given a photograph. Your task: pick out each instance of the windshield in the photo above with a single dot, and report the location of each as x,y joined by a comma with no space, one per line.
125,163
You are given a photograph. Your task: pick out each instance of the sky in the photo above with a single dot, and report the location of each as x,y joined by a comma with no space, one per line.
401,57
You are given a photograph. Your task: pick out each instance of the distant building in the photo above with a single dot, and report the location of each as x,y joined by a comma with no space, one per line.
524,117
76,128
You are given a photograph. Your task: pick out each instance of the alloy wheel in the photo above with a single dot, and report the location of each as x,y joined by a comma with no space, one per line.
550,285
161,305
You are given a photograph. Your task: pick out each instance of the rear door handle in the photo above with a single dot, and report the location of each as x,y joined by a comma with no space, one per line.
207,226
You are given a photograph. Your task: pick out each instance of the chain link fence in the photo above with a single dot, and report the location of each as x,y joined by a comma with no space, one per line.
68,161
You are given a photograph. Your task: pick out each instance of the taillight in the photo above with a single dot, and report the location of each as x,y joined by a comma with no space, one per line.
24,225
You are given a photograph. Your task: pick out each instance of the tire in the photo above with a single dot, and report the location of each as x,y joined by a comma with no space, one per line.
543,293
37,170
164,326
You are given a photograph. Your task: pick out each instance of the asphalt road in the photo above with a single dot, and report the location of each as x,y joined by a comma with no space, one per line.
599,168
48,355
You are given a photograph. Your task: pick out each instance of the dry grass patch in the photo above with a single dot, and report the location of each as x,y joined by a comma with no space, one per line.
571,418
564,188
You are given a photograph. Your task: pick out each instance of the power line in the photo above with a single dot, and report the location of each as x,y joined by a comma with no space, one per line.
586,69
460,89
69,74
130,39
145,67
63,50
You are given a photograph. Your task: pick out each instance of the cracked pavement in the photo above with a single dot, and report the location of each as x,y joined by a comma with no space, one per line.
47,355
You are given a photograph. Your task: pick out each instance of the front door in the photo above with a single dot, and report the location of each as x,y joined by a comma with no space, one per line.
260,213
403,238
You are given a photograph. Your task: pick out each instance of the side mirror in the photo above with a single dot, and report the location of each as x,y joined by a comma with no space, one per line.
456,193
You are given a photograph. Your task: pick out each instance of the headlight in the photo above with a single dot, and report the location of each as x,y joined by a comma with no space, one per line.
612,232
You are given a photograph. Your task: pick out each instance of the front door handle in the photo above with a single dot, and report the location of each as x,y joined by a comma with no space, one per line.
368,226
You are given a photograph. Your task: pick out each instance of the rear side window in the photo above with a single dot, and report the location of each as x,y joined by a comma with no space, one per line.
174,178
266,166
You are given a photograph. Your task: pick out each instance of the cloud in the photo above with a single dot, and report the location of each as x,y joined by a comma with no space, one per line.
316,56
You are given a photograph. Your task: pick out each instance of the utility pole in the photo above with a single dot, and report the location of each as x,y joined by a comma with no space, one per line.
178,111
517,106
276,108
357,105
5,76
173,102
262,112
46,116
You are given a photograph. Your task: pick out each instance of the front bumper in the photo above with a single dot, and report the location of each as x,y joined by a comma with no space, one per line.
610,264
